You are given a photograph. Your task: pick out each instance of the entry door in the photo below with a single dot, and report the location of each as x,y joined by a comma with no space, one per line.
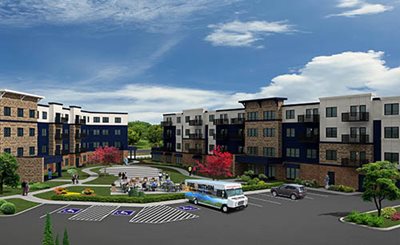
77,162
361,182
331,178
59,169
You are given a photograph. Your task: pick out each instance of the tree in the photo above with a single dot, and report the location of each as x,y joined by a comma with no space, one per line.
108,155
380,182
216,165
48,232
133,136
155,135
65,238
8,171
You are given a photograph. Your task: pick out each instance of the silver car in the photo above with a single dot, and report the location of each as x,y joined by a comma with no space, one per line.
294,191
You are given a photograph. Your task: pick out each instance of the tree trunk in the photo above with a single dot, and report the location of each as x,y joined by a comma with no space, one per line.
377,206
1,186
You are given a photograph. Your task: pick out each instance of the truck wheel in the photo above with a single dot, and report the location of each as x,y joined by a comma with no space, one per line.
293,197
224,209
195,202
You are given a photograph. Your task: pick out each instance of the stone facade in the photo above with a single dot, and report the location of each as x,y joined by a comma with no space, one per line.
343,151
30,168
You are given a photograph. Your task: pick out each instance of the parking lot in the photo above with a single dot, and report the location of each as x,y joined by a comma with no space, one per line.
267,220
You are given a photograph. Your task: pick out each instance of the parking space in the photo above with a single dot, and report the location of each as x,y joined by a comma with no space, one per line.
161,214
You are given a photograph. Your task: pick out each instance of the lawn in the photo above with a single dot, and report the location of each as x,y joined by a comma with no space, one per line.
82,175
99,191
9,191
104,179
143,144
22,204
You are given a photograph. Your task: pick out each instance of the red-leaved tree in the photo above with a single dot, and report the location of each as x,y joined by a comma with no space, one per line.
105,155
217,165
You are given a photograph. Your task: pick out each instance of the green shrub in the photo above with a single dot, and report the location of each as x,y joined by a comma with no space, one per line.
249,173
8,208
245,178
253,181
341,188
260,186
137,199
262,177
261,182
39,186
365,219
307,183
2,202
388,212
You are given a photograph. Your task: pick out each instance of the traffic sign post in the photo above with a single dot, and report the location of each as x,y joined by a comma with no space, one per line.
123,213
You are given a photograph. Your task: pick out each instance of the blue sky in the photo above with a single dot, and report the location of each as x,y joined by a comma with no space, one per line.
152,57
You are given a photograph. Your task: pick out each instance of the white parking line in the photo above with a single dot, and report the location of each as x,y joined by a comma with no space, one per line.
278,197
263,200
309,198
315,194
52,212
253,204
108,214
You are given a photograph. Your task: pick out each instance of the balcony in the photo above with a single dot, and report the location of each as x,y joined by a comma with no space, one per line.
166,123
355,117
61,120
195,151
57,152
237,120
308,138
196,122
353,162
355,139
58,136
223,136
80,121
65,152
308,118
195,136
65,136
221,121
78,136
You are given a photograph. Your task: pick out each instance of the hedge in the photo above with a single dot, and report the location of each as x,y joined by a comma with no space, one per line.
121,199
365,219
8,208
260,186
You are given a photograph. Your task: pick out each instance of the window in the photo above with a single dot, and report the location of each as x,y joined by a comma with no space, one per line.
105,143
20,112
117,132
252,132
187,119
331,132
20,151
88,119
7,150
252,150
292,173
20,132
178,146
117,120
392,132
271,171
211,147
252,116
211,118
66,131
66,147
117,144
44,149
292,152
312,153
269,132
44,115
269,115
392,157
392,109
178,132
7,111
31,151
96,119
331,155
187,132
32,113
32,132
331,111
7,132
290,132
106,119
211,132
96,131
269,152
104,132
290,114
96,145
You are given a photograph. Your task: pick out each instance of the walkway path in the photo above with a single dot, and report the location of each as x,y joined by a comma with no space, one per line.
180,170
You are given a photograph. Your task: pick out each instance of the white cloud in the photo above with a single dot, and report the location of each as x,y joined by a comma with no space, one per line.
244,34
338,74
360,7
116,12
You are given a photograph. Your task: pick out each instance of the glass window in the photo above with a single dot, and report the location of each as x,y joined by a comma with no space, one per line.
269,132
292,173
331,155
290,114
292,152
7,150
96,119
211,118
331,132
118,120
104,132
44,149
7,132
31,132
178,146
269,152
32,113
269,115
252,150
271,171
187,119
252,116
392,109
211,147
391,157
20,151
20,132
331,112
178,120
118,132
7,111
44,115
106,119
392,132
312,153
290,132
252,132
20,112
32,151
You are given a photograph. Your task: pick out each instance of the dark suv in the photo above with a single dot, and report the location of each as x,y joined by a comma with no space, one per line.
293,191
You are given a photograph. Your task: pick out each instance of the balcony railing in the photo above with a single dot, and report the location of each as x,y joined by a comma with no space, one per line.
60,120
58,136
166,123
223,136
354,162
65,136
57,152
355,117
195,136
221,121
308,118
196,122
356,138
308,138
195,151
78,136
65,152
237,120
80,121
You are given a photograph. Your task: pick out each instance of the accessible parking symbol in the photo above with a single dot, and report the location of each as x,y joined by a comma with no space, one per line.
70,211
123,213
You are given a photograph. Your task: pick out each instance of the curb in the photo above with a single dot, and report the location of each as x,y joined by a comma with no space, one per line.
257,191
26,210
333,192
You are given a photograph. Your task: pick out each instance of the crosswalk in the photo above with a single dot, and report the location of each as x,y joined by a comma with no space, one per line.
161,214
94,213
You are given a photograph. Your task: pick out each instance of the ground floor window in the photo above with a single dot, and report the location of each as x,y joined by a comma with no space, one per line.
156,157
168,158
271,171
178,160
292,173
392,157
251,167
66,162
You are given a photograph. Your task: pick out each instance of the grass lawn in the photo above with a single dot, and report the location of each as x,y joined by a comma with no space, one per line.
143,144
103,180
82,175
22,204
9,191
99,191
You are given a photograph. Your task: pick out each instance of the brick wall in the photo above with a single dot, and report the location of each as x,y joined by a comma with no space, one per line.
343,151
30,169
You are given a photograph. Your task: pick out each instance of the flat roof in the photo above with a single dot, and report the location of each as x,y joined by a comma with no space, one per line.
20,93
302,104
264,99
233,109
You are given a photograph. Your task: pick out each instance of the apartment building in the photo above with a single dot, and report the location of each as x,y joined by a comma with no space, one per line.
333,136
52,136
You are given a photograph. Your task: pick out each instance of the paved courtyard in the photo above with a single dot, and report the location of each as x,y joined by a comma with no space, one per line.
267,220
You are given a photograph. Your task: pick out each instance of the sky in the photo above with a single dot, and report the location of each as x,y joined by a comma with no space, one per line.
153,57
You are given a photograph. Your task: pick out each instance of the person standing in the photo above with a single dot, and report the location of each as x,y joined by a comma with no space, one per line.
160,177
23,187
190,170
166,176
327,181
73,179
49,173
27,188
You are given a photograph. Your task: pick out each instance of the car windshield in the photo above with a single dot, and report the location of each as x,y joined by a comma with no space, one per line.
234,192
301,189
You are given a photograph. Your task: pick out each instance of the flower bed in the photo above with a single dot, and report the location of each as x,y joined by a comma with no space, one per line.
120,199
390,217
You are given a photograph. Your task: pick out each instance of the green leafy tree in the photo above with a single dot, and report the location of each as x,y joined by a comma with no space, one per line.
65,238
48,232
8,171
155,135
380,182
133,136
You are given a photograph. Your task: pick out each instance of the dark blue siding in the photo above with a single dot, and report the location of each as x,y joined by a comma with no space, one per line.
377,140
170,137
231,141
43,140
111,138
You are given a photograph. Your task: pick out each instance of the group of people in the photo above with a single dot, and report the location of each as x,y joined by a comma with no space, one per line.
25,187
146,183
